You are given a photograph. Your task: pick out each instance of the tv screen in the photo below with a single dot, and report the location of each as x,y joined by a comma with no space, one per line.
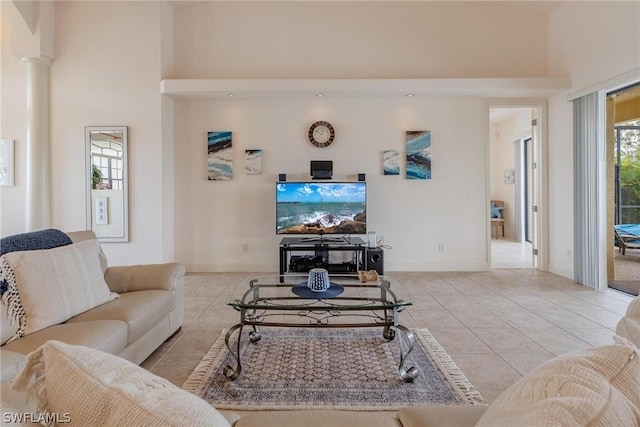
321,208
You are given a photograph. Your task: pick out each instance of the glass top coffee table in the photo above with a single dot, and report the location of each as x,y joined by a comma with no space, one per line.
286,301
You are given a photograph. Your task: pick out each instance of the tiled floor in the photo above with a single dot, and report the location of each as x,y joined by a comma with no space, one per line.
496,325
507,253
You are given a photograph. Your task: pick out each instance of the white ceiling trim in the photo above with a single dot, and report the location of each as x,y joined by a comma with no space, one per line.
535,87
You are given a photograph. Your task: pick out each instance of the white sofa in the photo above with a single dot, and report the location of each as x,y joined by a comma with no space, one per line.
629,325
148,310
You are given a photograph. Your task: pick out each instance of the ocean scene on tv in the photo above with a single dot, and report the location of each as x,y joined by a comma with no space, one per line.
321,208
418,145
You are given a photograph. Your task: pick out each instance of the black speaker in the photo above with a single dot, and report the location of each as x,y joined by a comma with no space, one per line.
375,260
282,177
360,177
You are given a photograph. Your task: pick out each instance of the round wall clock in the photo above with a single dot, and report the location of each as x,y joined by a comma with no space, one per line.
321,134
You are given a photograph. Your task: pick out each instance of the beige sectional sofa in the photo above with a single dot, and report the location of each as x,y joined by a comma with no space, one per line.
629,326
148,310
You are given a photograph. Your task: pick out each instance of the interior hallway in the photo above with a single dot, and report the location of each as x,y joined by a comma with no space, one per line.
507,253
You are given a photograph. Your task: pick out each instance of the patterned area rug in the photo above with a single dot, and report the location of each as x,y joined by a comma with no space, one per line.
351,369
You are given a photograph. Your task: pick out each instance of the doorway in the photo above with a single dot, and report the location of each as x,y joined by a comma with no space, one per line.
623,166
513,182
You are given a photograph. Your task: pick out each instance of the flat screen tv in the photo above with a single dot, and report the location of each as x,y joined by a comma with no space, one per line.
321,208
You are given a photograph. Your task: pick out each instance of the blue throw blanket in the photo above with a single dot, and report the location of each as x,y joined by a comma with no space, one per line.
36,240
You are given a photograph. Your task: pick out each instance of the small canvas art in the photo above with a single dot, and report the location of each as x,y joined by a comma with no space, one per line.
6,162
220,156
253,162
509,176
418,144
391,162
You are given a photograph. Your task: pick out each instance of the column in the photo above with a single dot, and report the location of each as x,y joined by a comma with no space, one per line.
38,179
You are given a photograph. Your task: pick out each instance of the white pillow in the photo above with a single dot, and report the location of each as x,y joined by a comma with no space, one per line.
47,287
99,389
595,387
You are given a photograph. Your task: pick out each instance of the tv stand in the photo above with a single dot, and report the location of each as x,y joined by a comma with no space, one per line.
321,239
321,247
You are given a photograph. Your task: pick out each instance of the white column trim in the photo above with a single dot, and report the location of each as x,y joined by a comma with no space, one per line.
38,169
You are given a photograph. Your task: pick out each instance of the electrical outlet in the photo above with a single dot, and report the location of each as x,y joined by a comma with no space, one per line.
440,247
380,239
245,247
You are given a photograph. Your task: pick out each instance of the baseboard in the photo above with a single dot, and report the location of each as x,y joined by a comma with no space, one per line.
233,267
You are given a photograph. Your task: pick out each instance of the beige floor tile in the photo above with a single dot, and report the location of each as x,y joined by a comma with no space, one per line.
478,318
489,372
600,316
507,341
567,319
176,368
484,320
195,341
522,318
435,318
595,337
524,363
460,341
196,303
556,340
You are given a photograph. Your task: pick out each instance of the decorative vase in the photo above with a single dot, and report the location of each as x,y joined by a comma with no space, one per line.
318,280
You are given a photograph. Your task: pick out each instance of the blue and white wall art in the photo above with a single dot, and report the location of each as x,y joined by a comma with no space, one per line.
220,156
253,162
418,154
391,162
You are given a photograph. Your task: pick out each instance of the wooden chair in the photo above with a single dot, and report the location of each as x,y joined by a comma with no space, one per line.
498,223
626,241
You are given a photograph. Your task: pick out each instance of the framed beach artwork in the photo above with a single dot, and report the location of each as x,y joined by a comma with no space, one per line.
219,156
391,162
509,176
253,162
418,146
6,162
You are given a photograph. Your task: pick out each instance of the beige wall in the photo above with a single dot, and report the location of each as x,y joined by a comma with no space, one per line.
107,72
110,57
358,40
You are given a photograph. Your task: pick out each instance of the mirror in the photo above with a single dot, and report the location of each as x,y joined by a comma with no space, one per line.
107,198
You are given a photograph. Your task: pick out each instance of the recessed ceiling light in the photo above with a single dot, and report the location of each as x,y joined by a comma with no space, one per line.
409,95
231,95
319,95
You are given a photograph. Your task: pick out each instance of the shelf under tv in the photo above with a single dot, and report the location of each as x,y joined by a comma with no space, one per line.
321,247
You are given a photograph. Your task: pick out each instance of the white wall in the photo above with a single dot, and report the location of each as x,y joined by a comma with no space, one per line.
13,103
107,73
320,39
592,42
343,40
215,218
109,62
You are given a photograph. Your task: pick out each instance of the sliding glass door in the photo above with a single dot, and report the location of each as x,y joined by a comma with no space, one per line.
627,174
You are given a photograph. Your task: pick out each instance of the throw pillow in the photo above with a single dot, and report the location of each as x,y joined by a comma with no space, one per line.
47,287
595,387
99,389
496,212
